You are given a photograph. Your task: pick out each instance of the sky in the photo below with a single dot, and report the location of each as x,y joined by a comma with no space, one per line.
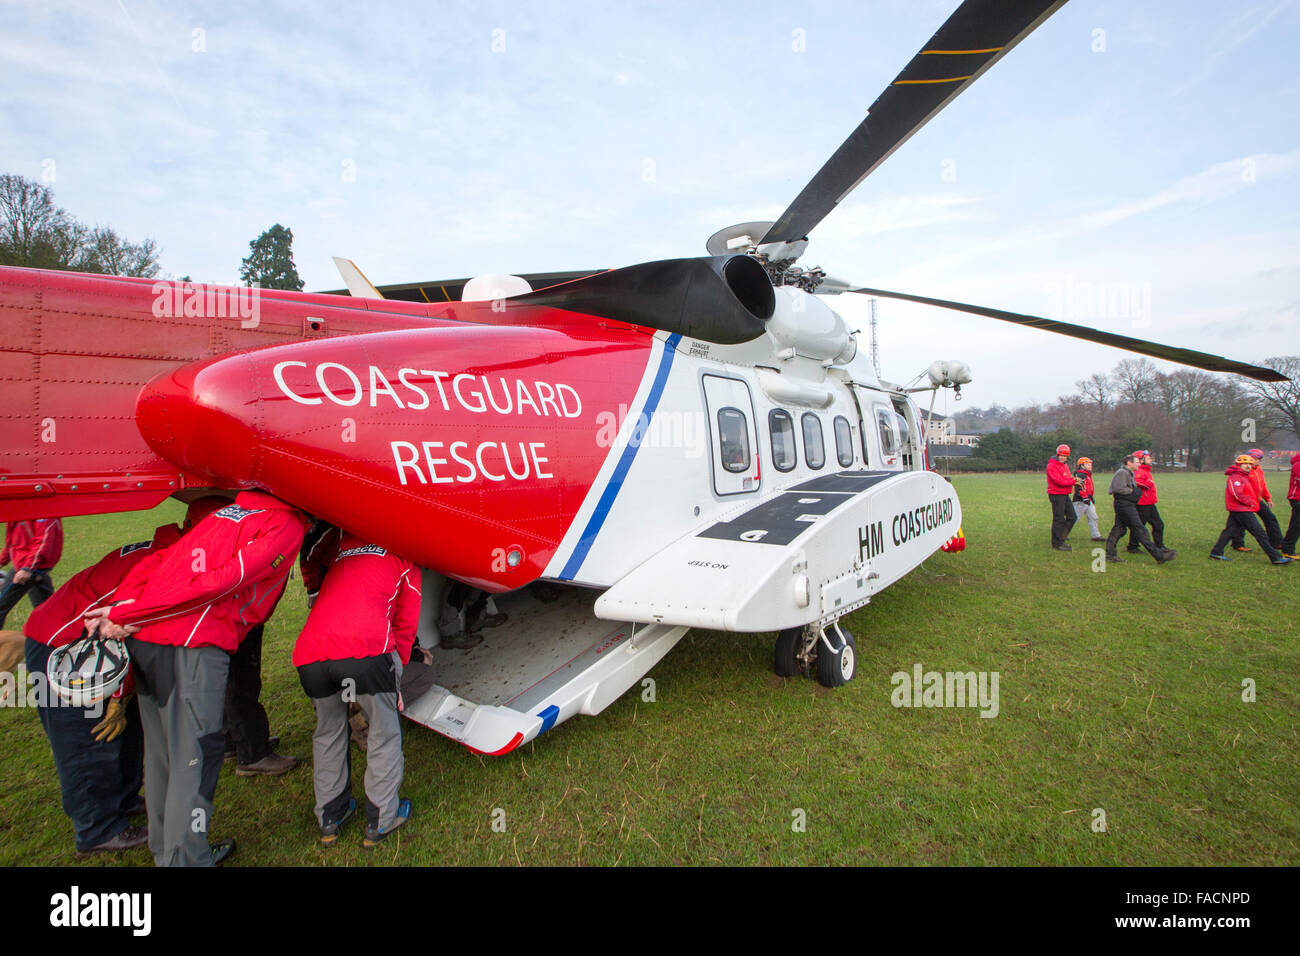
1132,165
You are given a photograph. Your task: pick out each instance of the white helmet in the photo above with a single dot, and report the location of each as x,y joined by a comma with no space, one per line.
87,671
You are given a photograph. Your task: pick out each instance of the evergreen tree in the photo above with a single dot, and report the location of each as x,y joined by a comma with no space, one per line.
270,261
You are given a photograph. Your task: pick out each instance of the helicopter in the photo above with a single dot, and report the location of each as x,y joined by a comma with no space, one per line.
618,456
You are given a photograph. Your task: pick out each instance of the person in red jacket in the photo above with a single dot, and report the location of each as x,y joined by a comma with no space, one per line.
1266,516
1085,505
185,611
35,548
1240,499
100,764
357,639
1060,486
1292,536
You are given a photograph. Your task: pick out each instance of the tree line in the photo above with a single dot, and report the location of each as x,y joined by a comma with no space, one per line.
1187,417
36,232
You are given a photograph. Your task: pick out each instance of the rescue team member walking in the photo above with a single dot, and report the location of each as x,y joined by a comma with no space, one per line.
1125,493
357,638
1265,513
100,763
1060,485
35,548
182,610
1292,537
1146,505
1084,504
1239,497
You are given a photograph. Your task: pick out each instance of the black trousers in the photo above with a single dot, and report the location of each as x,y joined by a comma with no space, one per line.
1292,537
1063,518
38,589
1150,515
1271,527
1240,522
99,781
1127,519
247,729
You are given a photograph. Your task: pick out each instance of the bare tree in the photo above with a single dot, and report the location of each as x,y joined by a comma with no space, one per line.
1279,402
1134,380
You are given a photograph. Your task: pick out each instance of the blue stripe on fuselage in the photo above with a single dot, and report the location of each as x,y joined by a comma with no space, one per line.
615,483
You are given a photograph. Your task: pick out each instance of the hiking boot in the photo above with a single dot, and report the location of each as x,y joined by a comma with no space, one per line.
138,808
1241,548
1114,559
375,836
1167,555
128,839
222,851
1062,547
231,753
1133,550
329,832
1282,559
272,765
1220,557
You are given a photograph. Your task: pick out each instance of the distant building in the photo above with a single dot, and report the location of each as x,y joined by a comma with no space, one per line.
945,441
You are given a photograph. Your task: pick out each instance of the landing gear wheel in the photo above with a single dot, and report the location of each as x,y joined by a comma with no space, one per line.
836,668
784,663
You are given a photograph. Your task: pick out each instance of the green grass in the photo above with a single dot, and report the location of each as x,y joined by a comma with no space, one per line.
1120,690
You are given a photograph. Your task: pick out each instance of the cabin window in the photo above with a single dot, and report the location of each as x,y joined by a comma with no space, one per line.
843,441
733,429
888,438
814,449
784,454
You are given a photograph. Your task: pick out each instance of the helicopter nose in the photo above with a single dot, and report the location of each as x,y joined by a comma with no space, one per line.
202,418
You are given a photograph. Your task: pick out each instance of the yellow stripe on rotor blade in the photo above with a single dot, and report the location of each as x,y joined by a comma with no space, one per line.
950,79
992,49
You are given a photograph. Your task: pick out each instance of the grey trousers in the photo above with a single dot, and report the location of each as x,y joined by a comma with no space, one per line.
182,695
1088,510
332,761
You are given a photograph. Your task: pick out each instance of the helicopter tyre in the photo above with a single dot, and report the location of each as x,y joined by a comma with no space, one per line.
784,662
835,669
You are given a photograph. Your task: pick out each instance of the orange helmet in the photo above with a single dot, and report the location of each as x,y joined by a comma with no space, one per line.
1085,460
1245,460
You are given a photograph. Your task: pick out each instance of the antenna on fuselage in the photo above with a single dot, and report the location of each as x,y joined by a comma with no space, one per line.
875,345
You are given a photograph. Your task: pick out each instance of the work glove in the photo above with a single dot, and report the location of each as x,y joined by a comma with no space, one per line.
114,722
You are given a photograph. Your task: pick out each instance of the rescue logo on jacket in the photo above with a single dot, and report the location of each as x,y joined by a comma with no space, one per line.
236,514
138,546
365,549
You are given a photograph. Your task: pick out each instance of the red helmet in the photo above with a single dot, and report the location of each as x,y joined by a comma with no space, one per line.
1062,449
1257,453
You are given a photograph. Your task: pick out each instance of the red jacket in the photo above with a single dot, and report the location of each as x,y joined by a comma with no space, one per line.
1148,484
1059,479
1261,485
1239,495
1293,492
369,604
57,622
226,576
33,544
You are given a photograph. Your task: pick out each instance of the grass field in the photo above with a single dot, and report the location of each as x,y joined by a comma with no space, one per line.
1119,690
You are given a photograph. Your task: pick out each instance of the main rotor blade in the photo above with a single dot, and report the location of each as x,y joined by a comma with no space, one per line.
975,37
449,290
1170,353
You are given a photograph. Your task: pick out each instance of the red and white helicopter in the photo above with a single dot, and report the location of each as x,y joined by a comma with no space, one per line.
692,442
